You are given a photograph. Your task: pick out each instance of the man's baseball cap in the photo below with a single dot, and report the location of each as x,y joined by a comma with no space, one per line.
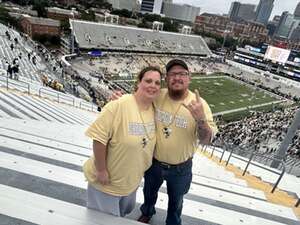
176,62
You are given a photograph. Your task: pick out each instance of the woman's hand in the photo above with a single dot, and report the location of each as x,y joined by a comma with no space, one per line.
102,177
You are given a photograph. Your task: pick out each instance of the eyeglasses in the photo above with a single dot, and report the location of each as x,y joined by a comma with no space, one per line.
181,74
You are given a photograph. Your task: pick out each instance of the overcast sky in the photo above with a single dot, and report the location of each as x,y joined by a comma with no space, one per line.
223,6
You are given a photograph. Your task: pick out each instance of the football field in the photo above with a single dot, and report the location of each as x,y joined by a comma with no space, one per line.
223,93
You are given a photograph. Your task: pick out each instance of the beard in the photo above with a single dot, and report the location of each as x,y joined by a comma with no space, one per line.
176,94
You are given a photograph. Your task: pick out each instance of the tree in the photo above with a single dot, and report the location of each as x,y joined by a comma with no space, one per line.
5,18
40,7
170,25
88,15
65,25
152,17
144,24
103,4
123,13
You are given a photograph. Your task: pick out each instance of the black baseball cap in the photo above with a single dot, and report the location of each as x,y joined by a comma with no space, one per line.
176,62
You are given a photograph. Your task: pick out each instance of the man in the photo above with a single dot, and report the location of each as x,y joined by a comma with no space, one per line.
182,118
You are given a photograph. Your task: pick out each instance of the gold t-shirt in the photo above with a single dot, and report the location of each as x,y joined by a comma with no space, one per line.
181,144
121,127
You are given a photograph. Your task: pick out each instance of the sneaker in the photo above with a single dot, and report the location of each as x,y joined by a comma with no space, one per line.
144,219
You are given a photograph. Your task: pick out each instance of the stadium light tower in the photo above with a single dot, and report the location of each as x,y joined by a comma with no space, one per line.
113,18
157,25
186,30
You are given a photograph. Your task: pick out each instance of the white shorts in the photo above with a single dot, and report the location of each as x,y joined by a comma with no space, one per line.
115,205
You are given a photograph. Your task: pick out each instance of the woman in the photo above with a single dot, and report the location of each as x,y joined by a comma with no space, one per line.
123,144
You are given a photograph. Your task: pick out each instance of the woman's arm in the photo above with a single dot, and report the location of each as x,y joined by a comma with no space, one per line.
99,150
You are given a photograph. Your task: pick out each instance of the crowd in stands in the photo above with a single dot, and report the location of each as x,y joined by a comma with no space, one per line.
275,91
262,131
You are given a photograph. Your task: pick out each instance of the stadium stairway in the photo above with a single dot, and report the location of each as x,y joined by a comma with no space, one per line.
41,180
23,106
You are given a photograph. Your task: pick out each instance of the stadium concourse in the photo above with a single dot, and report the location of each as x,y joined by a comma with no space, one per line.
42,144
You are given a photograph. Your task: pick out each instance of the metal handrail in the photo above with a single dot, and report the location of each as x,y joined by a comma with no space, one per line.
267,157
19,82
57,94
87,104
253,153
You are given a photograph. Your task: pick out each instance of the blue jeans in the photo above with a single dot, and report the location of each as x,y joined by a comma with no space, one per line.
178,181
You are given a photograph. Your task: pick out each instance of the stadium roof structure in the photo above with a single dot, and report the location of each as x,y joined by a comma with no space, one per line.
91,35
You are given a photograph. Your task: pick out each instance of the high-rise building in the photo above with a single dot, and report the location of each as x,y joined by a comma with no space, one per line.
297,11
247,11
286,25
234,11
151,6
263,11
240,11
295,34
180,12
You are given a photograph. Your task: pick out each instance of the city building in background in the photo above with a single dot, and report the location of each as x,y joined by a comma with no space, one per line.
297,11
247,11
151,6
286,25
40,26
263,11
272,25
62,14
180,12
234,11
130,5
221,25
239,11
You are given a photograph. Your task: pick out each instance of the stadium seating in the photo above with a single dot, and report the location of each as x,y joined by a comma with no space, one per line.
41,178
90,35
29,71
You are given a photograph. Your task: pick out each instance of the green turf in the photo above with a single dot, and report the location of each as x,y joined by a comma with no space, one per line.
223,94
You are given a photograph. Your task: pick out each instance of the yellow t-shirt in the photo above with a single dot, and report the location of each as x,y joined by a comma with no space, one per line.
182,141
121,128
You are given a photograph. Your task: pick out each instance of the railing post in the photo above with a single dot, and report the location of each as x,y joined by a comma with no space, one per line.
212,152
245,170
230,154
7,82
222,154
40,91
80,105
58,97
279,179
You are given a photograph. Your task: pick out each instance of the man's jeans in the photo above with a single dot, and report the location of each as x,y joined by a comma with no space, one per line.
178,183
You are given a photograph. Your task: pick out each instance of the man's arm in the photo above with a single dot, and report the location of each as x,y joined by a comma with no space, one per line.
204,132
99,150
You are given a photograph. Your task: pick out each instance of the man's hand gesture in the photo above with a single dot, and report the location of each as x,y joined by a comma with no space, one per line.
196,108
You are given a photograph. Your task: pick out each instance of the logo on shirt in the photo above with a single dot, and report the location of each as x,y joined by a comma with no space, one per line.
138,129
167,118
